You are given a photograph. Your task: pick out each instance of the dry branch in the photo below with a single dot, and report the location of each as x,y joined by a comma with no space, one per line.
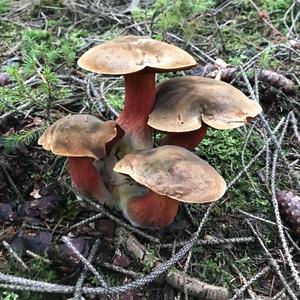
195,287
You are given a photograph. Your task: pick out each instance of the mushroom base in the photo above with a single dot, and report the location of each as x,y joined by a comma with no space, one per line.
86,179
147,209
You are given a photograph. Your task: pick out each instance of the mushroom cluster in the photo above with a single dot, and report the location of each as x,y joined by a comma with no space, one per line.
115,161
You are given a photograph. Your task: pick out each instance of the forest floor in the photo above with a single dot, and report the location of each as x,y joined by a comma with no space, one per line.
239,245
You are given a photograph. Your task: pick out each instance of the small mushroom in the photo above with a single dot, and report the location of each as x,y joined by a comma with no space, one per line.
83,139
187,106
167,175
138,59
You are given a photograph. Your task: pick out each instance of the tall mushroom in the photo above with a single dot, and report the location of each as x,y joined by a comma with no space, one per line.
164,176
138,59
187,106
83,139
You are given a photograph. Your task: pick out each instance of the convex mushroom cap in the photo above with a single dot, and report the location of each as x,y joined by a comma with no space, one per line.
175,172
83,138
184,103
131,54
79,136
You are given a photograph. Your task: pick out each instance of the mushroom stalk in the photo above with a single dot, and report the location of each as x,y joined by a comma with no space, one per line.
151,210
188,140
139,102
86,179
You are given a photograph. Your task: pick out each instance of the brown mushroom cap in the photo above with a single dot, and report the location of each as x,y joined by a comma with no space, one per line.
175,172
131,54
79,136
183,103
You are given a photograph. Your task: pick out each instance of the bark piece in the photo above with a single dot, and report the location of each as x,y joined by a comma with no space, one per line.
195,287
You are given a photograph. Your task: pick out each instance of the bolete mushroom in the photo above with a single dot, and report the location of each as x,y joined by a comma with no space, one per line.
164,176
187,106
138,59
83,139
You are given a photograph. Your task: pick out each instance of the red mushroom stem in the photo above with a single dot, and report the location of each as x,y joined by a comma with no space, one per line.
151,210
86,179
139,102
188,140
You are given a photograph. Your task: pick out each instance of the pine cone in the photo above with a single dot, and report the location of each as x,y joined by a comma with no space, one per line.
289,205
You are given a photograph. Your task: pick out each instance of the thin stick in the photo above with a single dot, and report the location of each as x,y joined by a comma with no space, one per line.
272,261
86,263
213,241
112,217
266,20
295,272
292,241
295,126
121,270
243,158
247,284
260,218
254,159
189,214
34,255
281,294
19,195
85,221
80,281
269,130
14,254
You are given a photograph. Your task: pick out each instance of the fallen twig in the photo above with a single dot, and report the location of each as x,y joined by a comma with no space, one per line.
264,16
121,270
85,221
214,241
34,255
291,264
80,281
248,283
13,185
246,286
85,261
295,126
273,262
14,255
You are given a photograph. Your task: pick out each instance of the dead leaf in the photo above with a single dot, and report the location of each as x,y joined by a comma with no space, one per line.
35,194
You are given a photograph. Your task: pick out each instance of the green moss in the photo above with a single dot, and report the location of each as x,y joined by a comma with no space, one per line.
272,5
178,16
223,150
6,295
116,100
214,269
38,270
4,6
